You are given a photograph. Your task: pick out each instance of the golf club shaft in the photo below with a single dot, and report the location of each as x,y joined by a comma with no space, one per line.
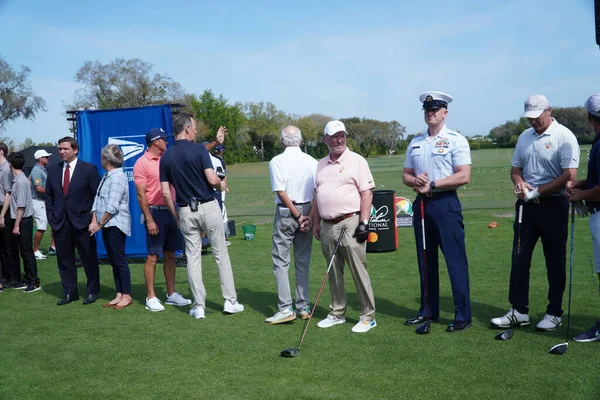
321,288
520,222
428,310
571,268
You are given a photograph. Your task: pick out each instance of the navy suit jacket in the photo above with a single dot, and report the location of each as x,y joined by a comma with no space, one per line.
77,204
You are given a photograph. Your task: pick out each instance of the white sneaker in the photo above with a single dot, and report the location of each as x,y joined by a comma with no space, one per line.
39,255
229,308
504,322
197,312
549,323
364,326
330,321
154,305
282,316
177,300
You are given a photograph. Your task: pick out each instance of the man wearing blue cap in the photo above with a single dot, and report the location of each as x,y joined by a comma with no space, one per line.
438,162
589,190
162,234
546,157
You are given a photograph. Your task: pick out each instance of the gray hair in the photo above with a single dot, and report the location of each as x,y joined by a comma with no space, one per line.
291,136
113,155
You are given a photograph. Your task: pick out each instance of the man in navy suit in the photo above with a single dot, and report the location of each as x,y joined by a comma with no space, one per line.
70,189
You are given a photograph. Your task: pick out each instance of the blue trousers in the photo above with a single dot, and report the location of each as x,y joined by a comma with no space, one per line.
114,241
548,220
444,229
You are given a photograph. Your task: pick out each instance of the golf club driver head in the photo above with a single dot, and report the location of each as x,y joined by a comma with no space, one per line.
289,353
559,349
505,335
424,328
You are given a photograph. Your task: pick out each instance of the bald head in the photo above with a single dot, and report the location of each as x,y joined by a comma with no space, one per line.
291,136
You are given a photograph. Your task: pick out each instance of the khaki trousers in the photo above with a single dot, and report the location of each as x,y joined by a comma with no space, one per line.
207,219
355,254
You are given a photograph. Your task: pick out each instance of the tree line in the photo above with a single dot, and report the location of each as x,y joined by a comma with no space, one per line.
253,127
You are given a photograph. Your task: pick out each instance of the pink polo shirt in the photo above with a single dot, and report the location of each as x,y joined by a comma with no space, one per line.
145,172
340,183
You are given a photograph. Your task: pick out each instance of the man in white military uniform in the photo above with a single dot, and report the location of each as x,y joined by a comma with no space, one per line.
546,158
293,175
437,163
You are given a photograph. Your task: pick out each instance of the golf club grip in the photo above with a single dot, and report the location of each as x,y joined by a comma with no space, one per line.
337,245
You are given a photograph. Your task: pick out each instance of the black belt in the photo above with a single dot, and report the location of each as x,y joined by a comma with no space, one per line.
441,193
301,204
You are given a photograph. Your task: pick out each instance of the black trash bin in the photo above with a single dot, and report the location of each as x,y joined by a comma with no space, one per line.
383,234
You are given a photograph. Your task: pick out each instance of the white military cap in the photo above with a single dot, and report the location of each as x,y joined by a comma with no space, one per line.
435,99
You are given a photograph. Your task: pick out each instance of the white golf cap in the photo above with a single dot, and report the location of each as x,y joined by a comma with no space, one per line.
535,106
41,153
434,99
334,127
592,105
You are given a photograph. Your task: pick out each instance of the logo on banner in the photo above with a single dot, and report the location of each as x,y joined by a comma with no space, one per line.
404,212
132,147
378,221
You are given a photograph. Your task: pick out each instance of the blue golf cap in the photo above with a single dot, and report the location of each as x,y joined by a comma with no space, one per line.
155,134
433,99
219,148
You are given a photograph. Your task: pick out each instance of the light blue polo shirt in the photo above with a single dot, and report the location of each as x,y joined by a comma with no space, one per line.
438,155
543,158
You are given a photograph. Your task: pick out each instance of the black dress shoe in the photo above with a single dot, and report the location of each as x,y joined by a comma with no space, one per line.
418,320
68,299
458,326
89,299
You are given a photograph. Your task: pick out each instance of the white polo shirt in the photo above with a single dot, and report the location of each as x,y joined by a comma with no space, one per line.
294,172
438,155
543,157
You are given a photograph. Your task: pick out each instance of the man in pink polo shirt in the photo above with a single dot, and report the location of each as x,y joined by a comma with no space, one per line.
343,200
162,234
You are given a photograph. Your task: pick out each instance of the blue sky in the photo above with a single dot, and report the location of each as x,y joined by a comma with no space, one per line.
339,58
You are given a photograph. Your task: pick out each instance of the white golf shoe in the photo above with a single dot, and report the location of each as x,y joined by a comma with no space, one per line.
154,305
549,323
281,316
504,321
197,312
229,308
330,321
364,326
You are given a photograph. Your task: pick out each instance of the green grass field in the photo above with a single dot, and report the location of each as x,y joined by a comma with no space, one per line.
77,351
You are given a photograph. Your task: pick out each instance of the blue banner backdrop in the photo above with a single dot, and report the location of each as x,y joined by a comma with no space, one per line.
127,128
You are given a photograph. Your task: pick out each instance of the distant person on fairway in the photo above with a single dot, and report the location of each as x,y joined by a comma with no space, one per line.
162,234
546,158
343,200
293,175
438,162
589,190
188,168
38,192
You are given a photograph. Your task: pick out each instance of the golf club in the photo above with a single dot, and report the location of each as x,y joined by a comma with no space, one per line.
560,349
507,335
294,351
425,327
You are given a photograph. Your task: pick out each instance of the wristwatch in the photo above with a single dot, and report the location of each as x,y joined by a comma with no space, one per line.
432,185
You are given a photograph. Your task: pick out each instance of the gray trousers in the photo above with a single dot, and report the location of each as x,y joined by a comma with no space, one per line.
355,254
207,219
286,233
